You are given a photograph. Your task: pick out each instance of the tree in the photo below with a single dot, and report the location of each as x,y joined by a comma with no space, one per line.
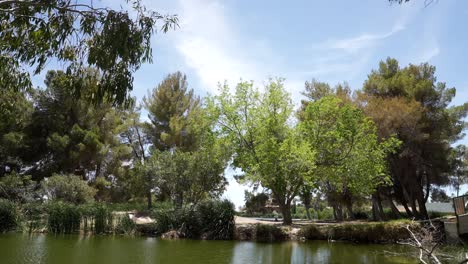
68,188
459,165
79,35
267,146
440,196
73,136
189,177
350,160
255,203
420,117
170,106
16,187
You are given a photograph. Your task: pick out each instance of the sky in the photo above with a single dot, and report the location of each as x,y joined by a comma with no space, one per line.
332,41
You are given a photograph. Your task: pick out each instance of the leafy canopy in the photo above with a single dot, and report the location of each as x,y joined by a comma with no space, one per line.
78,34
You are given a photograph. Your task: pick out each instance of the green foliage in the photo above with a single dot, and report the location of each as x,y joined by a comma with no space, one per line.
8,216
171,105
382,232
188,177
126,225
68,188
63,218
349,156
267,148
311,232
217,219
269,233
16,187
212,219
410,103
78,35
255,203
103,219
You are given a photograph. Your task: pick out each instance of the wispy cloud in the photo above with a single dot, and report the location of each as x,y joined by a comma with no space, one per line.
211,47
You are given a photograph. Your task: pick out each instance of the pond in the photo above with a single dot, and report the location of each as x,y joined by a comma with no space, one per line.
19,248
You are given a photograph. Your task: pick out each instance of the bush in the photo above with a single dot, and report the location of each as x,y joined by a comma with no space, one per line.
382,232
126,225
16,187
216,219
209,219
34,216
311,232
68,188
8,216
269,233
102,219
63,218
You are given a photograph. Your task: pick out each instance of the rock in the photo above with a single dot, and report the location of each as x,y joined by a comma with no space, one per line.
173,234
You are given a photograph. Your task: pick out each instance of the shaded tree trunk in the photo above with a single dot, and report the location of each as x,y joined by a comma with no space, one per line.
395,212
337,212
149,200
307,207
285,208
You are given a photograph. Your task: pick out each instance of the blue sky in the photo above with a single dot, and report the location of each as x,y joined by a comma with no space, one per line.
332,41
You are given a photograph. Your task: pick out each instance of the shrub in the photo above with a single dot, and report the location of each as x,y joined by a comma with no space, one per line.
269,233
210,219
381,232
63,218
8,216
68,188
311,232
34,215
102,219
165,218
325,214
16,187
216,219
126,225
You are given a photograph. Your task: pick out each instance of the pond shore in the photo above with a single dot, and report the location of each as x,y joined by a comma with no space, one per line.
264,230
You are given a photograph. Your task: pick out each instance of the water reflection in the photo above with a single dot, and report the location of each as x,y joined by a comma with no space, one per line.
16,248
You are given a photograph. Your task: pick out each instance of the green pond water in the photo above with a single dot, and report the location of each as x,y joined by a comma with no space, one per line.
19,248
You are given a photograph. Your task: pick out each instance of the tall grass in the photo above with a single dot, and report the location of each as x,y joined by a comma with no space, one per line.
8,216
213,219
103,220
63,218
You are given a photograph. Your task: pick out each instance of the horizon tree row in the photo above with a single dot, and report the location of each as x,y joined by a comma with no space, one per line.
389,143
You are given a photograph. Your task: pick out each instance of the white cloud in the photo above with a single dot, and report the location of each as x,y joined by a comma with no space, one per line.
210,45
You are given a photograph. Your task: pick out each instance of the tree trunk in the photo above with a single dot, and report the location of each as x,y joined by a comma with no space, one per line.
395,212
337,212
286,212
375,213
422,209
349,208
407,209
307,207
148,197
380,208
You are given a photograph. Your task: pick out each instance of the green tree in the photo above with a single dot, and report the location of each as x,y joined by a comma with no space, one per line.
440,196
255,203
422,120
189,177
16,187
170,106
350,159
68,188
267,146
73,136
115,42
459,165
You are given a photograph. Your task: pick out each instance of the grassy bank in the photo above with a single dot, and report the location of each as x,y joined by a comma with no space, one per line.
211,219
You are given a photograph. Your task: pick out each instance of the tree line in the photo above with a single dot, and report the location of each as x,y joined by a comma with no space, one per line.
389,143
